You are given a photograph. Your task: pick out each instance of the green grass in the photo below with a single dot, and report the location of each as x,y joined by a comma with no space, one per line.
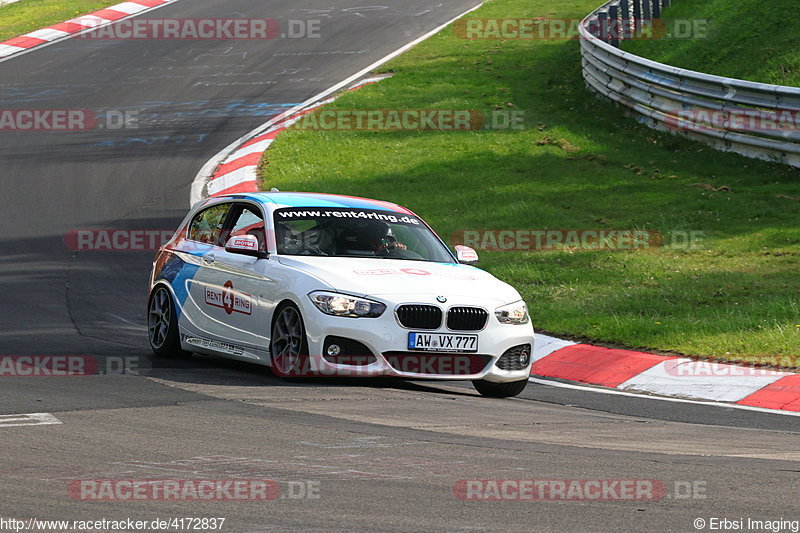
747,39
580,163
29,15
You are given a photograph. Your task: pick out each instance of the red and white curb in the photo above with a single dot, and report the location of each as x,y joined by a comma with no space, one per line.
78,25
678,377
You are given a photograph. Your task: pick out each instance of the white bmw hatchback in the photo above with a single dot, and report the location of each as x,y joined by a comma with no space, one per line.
327,285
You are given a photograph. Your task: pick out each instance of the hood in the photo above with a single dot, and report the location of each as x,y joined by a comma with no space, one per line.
388,277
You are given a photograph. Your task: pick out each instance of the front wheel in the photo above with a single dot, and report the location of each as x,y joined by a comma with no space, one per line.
288,346
499,390
162,324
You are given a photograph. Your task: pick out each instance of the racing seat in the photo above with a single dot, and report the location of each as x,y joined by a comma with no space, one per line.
284,238
349,241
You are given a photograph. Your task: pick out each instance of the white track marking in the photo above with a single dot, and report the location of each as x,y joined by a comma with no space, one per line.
90,21
127,7
544,345
255,148
48,34
31,419
205,174
232,178
7,49
659,398
727,384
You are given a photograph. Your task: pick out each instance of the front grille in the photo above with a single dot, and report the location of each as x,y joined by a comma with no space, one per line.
447,364
466,318
516,358
419,316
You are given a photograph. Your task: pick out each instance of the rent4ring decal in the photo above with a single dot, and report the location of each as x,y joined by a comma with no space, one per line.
229,299
349,213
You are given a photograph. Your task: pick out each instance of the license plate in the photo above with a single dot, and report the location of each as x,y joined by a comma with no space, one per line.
442,342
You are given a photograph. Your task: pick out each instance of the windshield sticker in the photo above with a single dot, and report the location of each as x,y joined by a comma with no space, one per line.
345,213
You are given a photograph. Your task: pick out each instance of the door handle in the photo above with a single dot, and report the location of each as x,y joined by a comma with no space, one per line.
208,258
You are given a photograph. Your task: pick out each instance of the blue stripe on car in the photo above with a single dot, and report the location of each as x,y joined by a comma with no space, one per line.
177,272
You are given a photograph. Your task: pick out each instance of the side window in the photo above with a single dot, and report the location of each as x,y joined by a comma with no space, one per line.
206,227
248,221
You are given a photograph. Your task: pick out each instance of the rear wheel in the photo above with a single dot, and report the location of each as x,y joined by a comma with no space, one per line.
499,390
288,346
162,324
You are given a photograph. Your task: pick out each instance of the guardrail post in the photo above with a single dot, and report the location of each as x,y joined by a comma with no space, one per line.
656,9
602,26
625,15
613,25
637,16
591,26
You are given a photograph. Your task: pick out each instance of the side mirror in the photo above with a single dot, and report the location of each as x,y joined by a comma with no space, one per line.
466,255
245,245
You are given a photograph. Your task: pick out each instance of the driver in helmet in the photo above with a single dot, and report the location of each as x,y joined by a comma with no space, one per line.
378,237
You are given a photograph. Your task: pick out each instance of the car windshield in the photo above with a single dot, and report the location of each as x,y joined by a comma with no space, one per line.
350,232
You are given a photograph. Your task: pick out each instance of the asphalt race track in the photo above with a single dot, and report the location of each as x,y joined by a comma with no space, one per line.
348,455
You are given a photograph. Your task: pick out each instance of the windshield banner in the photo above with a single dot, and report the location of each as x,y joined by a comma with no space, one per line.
345,213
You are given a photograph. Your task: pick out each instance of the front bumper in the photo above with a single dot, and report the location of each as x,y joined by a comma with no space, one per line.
387,340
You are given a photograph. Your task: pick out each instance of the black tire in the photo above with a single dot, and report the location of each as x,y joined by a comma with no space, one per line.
499,390
162,324
288,345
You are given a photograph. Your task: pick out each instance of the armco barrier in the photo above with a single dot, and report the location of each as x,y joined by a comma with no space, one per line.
753,119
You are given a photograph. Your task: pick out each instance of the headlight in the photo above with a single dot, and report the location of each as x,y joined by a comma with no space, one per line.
335,304
514,313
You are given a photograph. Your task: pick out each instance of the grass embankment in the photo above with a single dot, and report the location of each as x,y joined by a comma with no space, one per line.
748,39
29,15
579,163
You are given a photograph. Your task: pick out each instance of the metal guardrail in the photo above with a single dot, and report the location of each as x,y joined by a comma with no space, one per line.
753,119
